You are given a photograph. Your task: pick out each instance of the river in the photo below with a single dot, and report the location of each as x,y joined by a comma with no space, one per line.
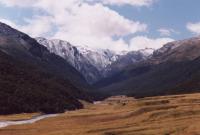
29,121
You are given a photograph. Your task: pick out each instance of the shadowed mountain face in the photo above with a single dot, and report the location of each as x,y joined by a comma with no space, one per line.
171,69
32,79
24,48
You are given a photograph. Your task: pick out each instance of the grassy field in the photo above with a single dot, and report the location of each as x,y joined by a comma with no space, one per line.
169,115
18,116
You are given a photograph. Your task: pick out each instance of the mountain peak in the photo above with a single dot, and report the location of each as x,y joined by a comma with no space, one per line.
6,30
187,49
147,51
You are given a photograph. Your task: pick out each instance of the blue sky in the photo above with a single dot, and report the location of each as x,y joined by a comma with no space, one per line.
174,14
110,24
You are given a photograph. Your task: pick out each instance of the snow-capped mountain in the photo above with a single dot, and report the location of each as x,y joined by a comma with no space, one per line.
100,58
73,56
187,49
89,62
172,69
128,59
94,64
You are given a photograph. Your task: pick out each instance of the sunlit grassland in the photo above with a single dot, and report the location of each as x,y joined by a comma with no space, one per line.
167,115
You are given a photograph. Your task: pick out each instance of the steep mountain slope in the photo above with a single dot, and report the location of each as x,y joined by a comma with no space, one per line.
24,48
32,79
26,88
178,51
170,68
73,56
100,58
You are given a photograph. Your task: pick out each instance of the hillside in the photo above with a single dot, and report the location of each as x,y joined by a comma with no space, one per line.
27,49
26,88
32,79
166,72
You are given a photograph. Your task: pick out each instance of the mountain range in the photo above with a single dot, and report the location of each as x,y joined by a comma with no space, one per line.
170,70
93,64
52,75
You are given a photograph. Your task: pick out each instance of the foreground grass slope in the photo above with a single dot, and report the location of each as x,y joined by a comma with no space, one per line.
168,115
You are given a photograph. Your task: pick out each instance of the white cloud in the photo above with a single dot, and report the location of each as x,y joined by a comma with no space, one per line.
93,41
77,8
37,26
97,28
166,31
19,3
141,42
137,3
8,22
82,23
102,22
50,3
194,27
106,42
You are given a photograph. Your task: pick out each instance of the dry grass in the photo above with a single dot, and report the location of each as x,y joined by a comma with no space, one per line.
18,116
169,115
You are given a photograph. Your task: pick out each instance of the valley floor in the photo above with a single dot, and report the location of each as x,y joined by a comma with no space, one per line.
169,115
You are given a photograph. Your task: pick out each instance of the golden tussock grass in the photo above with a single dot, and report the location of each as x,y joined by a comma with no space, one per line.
166,115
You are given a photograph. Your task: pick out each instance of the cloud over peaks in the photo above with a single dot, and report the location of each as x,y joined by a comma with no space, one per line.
141,42
85,22
194,27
